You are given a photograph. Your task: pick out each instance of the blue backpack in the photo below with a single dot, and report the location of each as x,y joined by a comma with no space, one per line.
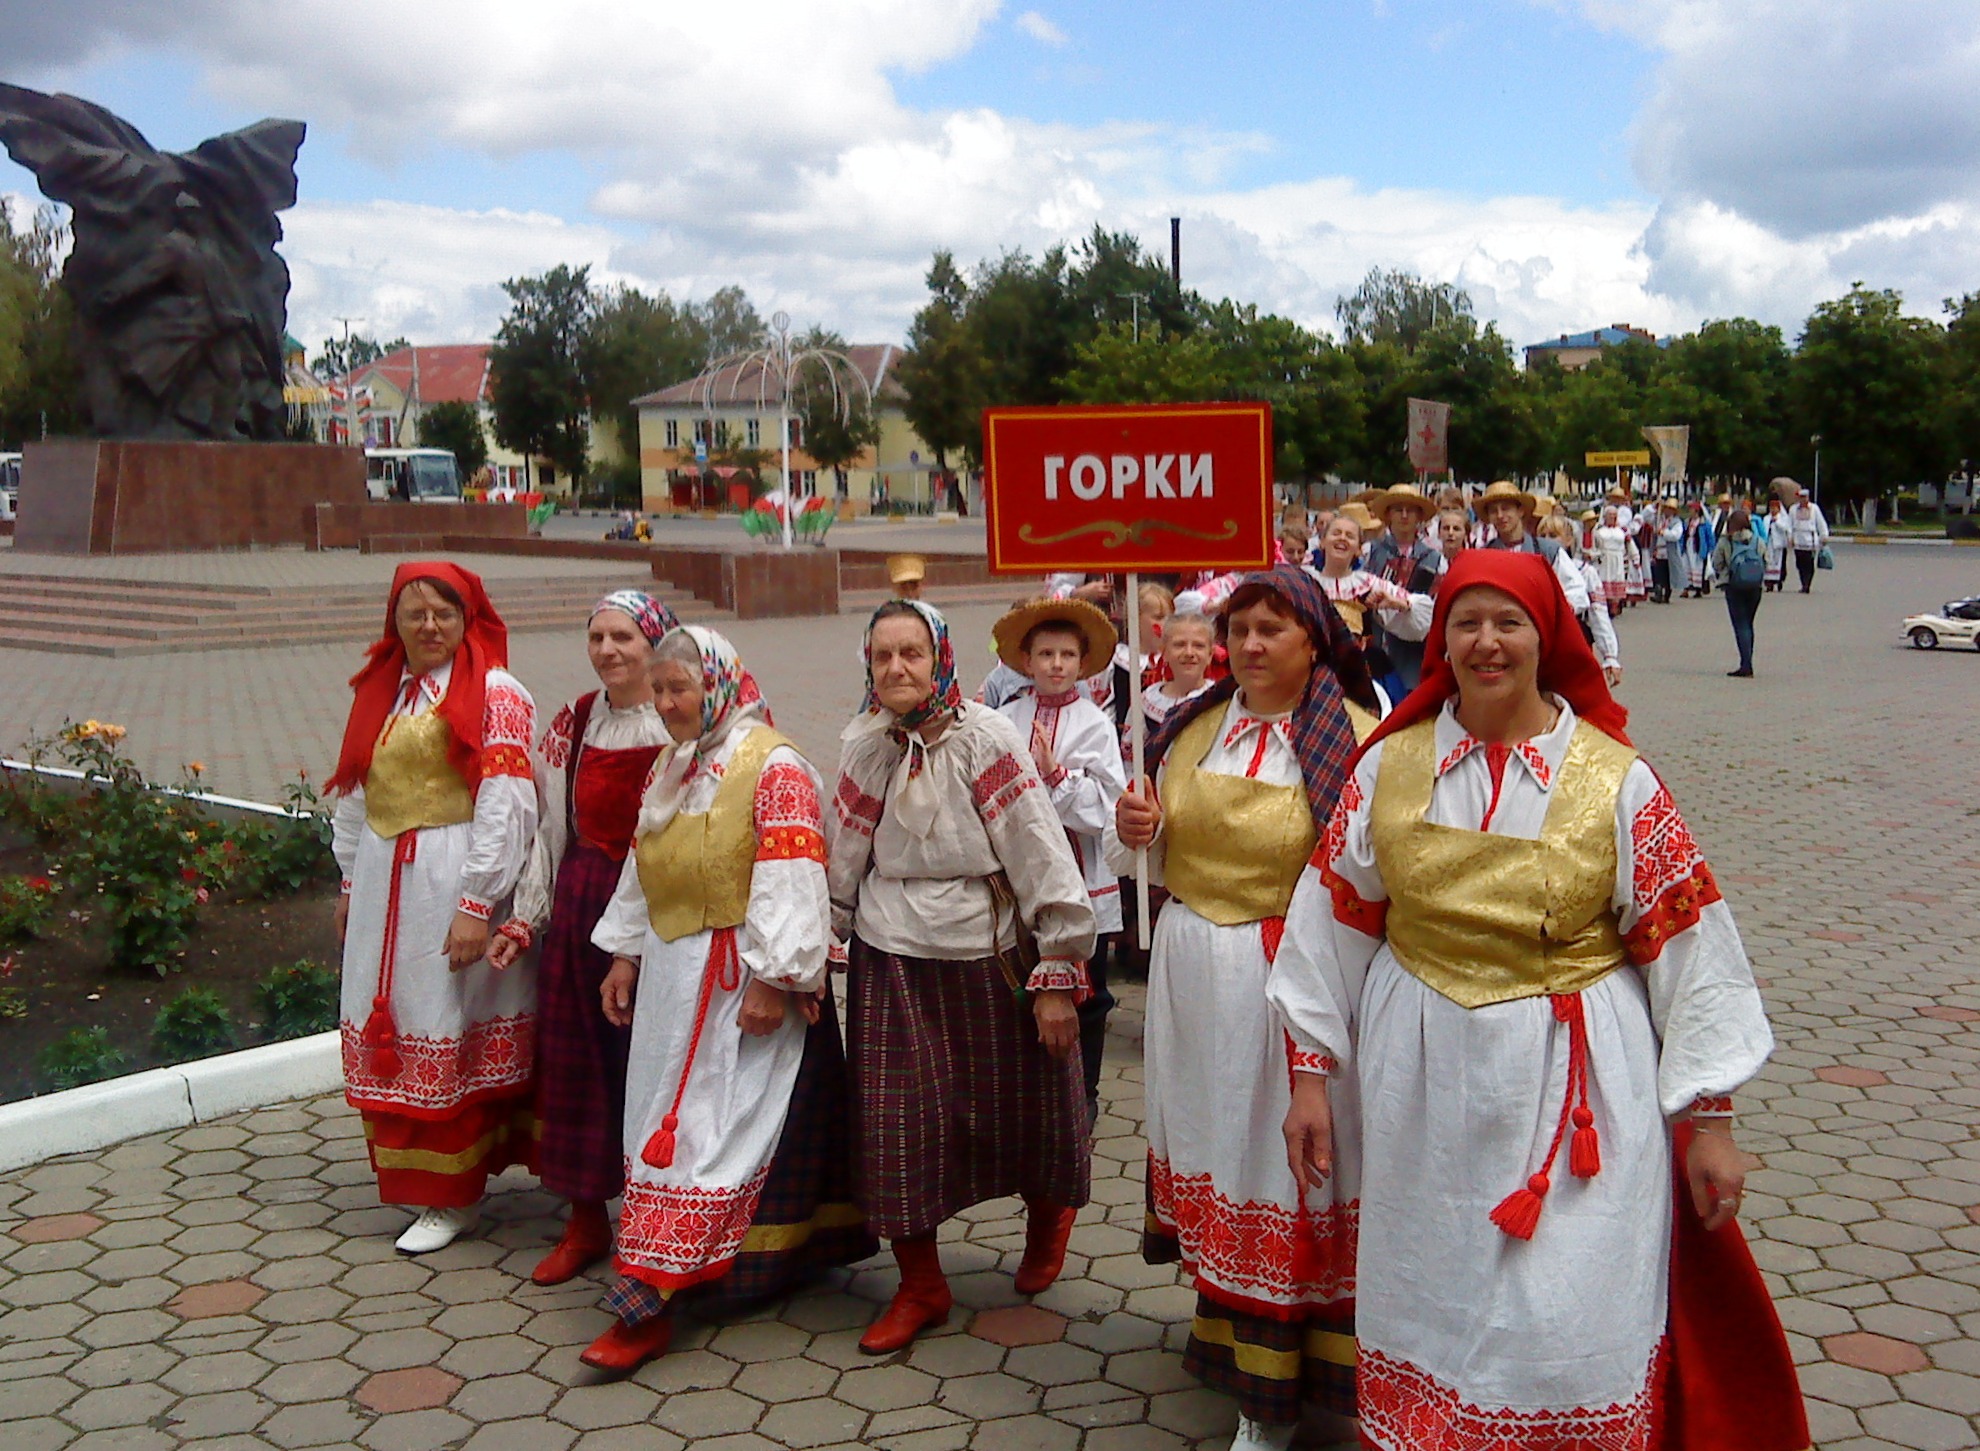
1747,568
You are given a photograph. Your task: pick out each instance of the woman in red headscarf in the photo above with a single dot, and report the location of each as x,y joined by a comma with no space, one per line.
1508,942
434,820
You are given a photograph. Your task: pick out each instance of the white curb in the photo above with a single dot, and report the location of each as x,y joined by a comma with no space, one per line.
98,1115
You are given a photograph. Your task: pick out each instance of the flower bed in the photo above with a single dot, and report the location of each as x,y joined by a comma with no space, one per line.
144,925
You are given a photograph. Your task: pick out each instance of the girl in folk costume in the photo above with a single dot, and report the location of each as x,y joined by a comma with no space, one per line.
969,922
1371,607
590,765
738,1164
1779,544
1189,642
1245,775
434,819
1511,964
1611,550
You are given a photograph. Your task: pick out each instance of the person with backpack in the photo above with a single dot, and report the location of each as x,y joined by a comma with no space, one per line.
1740,563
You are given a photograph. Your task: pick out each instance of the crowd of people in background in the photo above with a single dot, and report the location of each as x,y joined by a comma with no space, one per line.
1411,893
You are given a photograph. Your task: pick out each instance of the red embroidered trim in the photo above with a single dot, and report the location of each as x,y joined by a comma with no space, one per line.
1351,909
556,747
1404,1405
346,888
856,810
1002,782
785,796
517,931
438,1075
1056,974
1257,1250
507,718
505,761
1306,1060
682,1234
475,907
1525,750
1712,1106
1678,910
790,844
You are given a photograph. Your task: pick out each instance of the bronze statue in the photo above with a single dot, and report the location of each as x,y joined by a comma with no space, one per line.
180,297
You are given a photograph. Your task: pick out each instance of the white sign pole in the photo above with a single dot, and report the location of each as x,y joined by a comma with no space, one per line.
1137,731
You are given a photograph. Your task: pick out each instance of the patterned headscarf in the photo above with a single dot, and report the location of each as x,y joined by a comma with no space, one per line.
1322,735
655,620
945,695
730,701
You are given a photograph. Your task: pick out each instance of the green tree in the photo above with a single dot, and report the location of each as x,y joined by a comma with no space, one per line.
457,428
1398,307
1026,325
1114,367
537,378
944,371
1493,430
1737,371
39,388
637,344
1310,383
1874,384
1963,380
1598,407
726,322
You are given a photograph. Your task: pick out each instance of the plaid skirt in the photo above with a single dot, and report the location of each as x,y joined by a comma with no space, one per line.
957,1100
580,1057
806,1219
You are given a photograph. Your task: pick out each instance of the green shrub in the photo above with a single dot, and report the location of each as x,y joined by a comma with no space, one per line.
79,1056
191,1025
299,999
27,904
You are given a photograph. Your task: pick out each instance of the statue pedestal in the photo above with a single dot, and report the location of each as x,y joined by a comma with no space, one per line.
89,496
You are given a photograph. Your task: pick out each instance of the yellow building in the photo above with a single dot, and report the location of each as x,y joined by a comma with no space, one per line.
734,414
386,399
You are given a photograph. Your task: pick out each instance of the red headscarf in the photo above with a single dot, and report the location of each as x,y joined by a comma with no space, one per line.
484,647
1567,666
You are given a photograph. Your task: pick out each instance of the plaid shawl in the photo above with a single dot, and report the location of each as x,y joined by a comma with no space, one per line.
1323,737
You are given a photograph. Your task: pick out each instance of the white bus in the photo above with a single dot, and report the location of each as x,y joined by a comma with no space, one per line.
10,484
413,475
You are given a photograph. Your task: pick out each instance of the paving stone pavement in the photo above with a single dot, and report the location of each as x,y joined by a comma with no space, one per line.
234,1285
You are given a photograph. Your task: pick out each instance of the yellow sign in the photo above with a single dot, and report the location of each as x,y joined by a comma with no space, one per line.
1621,458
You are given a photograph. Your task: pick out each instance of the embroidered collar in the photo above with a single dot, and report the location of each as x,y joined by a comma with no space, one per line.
1059,701
1541,755
432,685
1243,722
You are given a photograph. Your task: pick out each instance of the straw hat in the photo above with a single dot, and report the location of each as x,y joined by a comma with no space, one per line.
905,568
1589,516
1094,628
1381,501
1506,489
1359,512
1618,493
1544,504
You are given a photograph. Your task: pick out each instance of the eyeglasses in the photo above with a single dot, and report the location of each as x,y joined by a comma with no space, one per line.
442,619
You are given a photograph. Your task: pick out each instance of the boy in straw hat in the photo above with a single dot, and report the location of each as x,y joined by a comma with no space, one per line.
1404,558
1509,511
906,572
1077,748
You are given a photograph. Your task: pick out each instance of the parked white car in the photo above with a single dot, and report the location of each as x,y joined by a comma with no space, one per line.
1958,621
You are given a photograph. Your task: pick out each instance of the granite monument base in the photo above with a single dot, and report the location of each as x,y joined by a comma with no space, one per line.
90,496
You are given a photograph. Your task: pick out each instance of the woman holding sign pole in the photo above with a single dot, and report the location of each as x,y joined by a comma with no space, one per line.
1246,775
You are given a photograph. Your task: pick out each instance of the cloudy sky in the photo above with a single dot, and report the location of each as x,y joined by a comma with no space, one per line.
1570,162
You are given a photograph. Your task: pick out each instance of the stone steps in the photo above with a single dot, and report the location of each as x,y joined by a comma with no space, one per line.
118,618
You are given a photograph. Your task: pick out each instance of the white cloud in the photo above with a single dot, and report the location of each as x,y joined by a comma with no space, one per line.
1040,29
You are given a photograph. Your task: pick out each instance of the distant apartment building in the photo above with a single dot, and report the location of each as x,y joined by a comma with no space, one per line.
735,411
1575,351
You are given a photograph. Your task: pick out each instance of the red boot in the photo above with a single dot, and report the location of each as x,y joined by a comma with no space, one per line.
1046,1231
625,1348
587,1240
922,1300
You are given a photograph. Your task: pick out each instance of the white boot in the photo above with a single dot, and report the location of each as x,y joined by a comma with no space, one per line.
1256,1436
436,1229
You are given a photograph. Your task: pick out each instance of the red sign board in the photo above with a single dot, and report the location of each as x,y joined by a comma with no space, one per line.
1118,487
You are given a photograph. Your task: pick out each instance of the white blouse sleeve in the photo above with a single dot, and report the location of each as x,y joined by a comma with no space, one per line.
790,909
1572,584
621,931
1334,928
1031,845
1608,650
865,763
505,803
551,763
1680,934
1091,776
346,822
1120,858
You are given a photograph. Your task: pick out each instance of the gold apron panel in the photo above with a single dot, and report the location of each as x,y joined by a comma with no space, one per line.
1486,919
411,783
696,870
1235,846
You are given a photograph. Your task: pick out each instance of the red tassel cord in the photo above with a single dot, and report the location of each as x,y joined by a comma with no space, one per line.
725,968
1518,1214
381,1034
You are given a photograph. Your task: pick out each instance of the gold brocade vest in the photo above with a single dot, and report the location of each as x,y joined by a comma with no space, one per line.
411,782
695,870
1488,919
1236,846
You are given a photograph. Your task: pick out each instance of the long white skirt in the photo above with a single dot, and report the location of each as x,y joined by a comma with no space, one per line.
1218,1087
1467,1336
683,1224
462,1036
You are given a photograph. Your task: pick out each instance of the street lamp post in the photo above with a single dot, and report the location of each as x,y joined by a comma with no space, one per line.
1816,439
1136,298
350,392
